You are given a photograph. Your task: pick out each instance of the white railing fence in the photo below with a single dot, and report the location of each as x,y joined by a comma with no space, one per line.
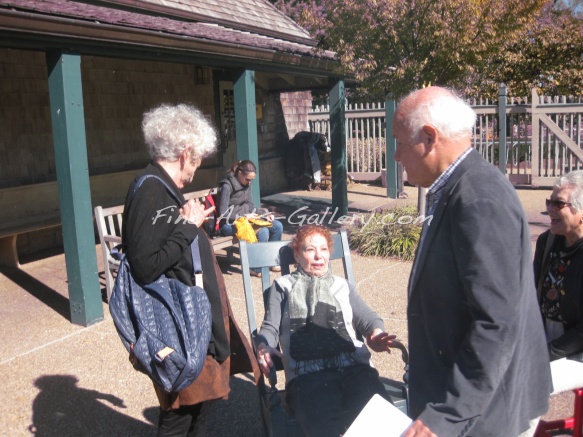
542,138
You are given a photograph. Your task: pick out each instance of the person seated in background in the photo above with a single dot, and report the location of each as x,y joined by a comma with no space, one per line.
318,318
236,200
558,268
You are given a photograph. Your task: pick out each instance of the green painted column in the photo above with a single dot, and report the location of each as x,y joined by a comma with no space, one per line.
67,114
246,124
390,148
338,146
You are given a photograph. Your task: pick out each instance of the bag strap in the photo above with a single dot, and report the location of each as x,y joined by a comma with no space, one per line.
545,264
196,262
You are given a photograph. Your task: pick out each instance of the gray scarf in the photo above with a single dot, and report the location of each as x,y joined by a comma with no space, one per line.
318,335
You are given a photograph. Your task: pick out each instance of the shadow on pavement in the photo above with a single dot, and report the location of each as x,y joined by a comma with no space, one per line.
39,290
239,415
64,409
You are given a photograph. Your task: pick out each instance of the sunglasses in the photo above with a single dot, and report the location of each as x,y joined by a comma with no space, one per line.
556,204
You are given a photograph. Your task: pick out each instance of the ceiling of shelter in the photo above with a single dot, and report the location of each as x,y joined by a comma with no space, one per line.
219,33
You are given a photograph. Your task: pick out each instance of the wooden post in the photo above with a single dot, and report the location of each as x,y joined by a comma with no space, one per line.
246,125
338,145
68,121
535,137
502,154
390,148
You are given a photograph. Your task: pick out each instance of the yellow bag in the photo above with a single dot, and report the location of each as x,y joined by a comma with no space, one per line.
244,230
260,223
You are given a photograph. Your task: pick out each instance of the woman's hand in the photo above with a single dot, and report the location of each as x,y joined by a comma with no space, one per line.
193,211
270,217
380,341
264,353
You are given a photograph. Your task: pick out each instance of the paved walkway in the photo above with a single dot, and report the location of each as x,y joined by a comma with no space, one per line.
60,379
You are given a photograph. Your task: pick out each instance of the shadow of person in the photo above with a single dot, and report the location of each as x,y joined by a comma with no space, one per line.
64,409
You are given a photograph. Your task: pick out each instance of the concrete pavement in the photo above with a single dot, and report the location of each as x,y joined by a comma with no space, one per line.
60,379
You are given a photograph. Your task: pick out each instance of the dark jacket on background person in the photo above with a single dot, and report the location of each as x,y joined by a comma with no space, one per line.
478,357
157,243
232,193
570,344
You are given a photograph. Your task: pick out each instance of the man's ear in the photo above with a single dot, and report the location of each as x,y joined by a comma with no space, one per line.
429,135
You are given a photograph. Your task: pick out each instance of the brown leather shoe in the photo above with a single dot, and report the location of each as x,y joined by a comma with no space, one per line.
254,273
275,269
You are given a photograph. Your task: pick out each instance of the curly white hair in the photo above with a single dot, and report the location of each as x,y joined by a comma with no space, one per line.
170,129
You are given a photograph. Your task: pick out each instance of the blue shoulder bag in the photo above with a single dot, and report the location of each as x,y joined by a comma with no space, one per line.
166,325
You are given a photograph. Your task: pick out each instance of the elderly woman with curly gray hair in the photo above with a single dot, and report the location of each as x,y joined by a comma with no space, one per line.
158,232
558,266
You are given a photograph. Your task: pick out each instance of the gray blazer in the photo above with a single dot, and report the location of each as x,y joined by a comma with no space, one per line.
478,357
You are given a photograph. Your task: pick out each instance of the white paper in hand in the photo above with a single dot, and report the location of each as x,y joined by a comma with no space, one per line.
379,418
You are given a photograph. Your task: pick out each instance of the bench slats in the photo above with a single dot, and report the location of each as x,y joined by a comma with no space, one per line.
109,226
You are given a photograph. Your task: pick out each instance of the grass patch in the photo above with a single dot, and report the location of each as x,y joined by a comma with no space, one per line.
391,233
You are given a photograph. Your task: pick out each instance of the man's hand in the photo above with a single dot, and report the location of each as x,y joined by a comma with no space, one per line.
418,429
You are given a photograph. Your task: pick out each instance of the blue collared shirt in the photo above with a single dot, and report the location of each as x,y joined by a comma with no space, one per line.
435,191
432,197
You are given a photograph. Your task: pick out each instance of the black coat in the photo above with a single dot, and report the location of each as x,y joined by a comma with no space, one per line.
158,243
569,344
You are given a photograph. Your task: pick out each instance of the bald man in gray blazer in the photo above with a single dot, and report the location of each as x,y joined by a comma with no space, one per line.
479,364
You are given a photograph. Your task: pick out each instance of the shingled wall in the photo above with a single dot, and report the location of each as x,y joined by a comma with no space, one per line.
116,93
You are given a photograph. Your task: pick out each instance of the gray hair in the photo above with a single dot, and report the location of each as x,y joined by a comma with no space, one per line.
453,118
573,180
170,129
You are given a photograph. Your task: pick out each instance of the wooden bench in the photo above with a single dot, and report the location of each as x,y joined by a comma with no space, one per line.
25,209
109,225
35,207
29,208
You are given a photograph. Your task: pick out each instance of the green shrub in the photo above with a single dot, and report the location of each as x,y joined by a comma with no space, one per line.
388,233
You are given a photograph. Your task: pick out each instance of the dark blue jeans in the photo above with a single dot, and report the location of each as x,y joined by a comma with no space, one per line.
325,403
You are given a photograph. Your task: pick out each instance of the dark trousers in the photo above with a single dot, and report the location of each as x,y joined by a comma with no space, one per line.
325,403
180,422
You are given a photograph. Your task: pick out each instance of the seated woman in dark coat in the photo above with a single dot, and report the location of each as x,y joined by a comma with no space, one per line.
558,266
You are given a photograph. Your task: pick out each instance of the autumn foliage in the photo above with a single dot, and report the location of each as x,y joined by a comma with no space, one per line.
473,45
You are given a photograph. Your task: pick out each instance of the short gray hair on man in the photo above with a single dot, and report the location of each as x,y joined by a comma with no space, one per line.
453,118
573,180
170,129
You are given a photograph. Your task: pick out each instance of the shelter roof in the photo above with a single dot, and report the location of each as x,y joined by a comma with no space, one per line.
230,28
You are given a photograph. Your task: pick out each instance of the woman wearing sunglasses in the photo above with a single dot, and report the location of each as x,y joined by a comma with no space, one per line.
558,268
